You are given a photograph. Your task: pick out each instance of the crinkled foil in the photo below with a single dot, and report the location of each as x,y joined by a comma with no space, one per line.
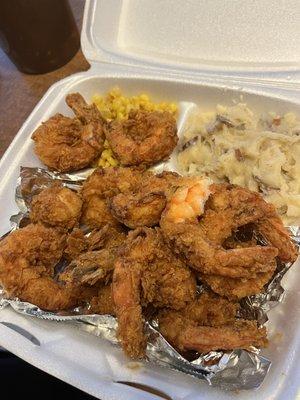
236,370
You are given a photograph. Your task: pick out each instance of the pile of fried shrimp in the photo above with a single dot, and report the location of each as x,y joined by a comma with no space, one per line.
152,238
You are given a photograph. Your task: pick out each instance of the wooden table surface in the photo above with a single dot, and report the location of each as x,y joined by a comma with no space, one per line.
20,92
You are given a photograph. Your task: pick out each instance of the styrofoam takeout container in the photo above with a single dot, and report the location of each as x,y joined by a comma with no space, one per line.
207,52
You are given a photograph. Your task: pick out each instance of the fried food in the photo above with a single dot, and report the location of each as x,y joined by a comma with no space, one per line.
147,272
95,263
276,234
208,309
237,288
186,334
103,303
143,204
230,207
27,260
209,323
76,244
89,268
56,206
144,138
182,229
101,186
69,144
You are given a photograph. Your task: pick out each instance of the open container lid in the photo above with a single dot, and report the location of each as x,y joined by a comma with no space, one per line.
234,39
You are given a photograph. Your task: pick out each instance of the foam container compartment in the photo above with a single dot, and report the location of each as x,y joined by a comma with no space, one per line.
84,360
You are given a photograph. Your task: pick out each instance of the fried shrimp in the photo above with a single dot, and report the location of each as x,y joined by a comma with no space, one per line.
237,288
69,144
276,234
100,187
146,272
103,303
95,263
27,260
56,206
208,309
209,323
186,334
144,203
145,138
230,207
182,228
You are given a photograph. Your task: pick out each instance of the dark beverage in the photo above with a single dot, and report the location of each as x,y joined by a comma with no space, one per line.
38,35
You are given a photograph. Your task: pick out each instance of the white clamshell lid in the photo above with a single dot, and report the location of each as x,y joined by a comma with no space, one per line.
257,39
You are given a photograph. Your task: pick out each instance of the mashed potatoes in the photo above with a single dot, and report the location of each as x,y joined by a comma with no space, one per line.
261,153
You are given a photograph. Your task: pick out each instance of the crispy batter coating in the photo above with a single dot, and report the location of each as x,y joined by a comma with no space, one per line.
147,272
138,211
27,260
186,334
199,237
101,186
56,206
95,263
237,288
89,268
69,144
276,234
230,207
209,323
144,138
76,244
205,257
143,204
207,309
103,303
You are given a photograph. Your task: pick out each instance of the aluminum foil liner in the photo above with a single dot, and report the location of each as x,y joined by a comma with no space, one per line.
236,370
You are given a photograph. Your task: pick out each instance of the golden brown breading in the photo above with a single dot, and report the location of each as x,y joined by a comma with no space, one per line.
69,144
95,263
101,186
109,237
230,207
143,204
202,255
184,226
185,334
209,323
144,138
276,234
56,206
211,310
237,288
138,210
103,303
27,260
76,244
147,272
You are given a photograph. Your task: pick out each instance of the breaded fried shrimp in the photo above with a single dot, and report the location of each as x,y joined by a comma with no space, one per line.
186,334
69,144
56,206
147,272
182,228
144,138
143,204
100,187
27,260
